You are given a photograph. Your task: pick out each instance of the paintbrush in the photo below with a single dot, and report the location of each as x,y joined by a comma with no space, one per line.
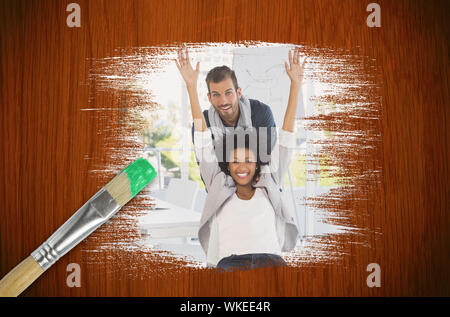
95,212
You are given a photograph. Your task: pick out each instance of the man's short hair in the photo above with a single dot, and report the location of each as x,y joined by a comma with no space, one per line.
220,73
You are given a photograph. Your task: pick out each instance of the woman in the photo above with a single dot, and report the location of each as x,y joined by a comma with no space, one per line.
245,221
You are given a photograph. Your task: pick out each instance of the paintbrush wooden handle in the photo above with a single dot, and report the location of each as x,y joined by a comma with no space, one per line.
20,277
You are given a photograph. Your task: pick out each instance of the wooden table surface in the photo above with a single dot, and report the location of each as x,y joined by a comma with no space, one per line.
49,145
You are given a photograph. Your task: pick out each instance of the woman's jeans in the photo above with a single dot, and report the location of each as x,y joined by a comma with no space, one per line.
250,261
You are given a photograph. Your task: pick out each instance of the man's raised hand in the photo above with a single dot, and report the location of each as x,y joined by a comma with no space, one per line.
294,69
189,74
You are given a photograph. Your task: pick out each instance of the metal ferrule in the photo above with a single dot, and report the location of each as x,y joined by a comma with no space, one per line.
95,212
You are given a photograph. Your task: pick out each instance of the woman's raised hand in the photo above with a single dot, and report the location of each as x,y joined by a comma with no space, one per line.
189,74
294,69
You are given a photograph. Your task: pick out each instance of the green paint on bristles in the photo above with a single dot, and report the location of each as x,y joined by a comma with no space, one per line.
139,173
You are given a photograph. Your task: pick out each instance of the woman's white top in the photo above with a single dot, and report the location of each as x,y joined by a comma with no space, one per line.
247,226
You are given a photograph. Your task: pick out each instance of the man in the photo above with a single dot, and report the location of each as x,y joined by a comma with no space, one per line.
229,107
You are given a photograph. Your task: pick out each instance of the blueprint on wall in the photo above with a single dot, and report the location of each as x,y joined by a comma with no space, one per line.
261,75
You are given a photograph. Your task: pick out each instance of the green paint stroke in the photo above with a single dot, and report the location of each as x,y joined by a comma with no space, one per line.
139,173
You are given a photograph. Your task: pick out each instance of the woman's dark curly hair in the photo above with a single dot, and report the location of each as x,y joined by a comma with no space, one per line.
248,139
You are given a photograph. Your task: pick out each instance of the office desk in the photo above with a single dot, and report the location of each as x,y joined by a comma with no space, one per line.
174,222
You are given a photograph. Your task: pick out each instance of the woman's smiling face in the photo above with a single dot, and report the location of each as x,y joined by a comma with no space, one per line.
242,166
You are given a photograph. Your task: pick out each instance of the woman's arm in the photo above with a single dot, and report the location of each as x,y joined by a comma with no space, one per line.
295,72
206,156
190,77
204,149
283,151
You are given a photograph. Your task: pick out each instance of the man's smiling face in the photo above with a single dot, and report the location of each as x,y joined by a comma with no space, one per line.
225,99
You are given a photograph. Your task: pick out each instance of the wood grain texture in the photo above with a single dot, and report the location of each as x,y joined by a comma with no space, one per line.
46,138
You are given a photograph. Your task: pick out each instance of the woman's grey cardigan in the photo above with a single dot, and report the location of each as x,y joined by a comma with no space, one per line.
221,187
